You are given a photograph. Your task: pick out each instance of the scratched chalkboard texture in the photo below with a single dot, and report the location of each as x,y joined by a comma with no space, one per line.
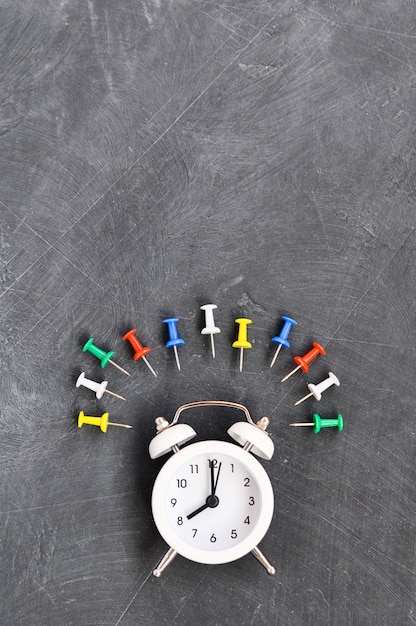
156,155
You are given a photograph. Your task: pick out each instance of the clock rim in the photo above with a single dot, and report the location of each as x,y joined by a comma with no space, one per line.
159,510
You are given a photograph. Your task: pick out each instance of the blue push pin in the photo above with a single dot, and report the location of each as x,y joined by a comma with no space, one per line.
282,338
174,339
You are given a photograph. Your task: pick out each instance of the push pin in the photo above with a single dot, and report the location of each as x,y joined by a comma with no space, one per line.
102,355
210,328
302,362
317,390
102,421
282,338
319,423
174,339
139,350
99,388
242,342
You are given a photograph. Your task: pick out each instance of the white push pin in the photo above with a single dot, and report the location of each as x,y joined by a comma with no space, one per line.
210,328
317,390
99,388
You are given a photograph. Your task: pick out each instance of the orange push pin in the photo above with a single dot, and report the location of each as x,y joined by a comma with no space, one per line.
102,421
139,350
242,342
302,362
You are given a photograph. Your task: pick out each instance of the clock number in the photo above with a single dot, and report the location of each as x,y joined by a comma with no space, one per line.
232,467
180,521
195,530
251,501
247,520
213,538
194,469
213,462
181,482
173,501
233,534
246,482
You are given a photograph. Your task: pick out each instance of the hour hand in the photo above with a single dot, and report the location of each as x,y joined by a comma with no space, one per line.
210,503
201,508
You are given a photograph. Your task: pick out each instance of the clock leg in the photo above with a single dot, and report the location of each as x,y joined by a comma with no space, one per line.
260,557
168,558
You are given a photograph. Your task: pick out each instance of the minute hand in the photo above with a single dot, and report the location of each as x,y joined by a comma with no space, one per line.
214,486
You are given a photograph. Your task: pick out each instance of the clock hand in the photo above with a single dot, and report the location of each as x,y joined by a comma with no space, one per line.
211,465
212,500
216,480
201,508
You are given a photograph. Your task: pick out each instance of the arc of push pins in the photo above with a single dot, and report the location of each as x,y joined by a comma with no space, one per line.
210,328
302,362
317,390
102,421
281,339
242,342
102,355
319,423
139,350
174,339
99,388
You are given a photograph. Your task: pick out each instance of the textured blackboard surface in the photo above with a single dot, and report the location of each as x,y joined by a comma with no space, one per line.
156,155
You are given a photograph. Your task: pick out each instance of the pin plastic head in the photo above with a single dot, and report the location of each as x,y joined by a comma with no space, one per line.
282,338
241,341
174,339
103,356
317,390
320,423
139,350
304,361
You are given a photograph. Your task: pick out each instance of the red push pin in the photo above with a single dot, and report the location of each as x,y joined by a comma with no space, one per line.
139,350
302,362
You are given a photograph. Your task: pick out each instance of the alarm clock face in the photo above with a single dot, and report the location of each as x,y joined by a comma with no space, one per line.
212,502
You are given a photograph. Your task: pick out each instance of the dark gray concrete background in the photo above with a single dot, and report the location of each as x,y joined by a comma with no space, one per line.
156,155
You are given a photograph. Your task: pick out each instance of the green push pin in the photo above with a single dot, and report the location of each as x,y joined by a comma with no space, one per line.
319,423
102,355
102,421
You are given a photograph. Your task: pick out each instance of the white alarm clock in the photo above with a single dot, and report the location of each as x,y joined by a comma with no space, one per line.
212,501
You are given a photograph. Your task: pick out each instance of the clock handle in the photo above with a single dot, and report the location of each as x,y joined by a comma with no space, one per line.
233,405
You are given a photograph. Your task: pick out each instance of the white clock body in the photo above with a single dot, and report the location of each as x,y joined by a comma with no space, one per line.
235,524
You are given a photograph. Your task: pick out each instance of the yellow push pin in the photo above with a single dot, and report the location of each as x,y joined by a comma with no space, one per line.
102,421
242,342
